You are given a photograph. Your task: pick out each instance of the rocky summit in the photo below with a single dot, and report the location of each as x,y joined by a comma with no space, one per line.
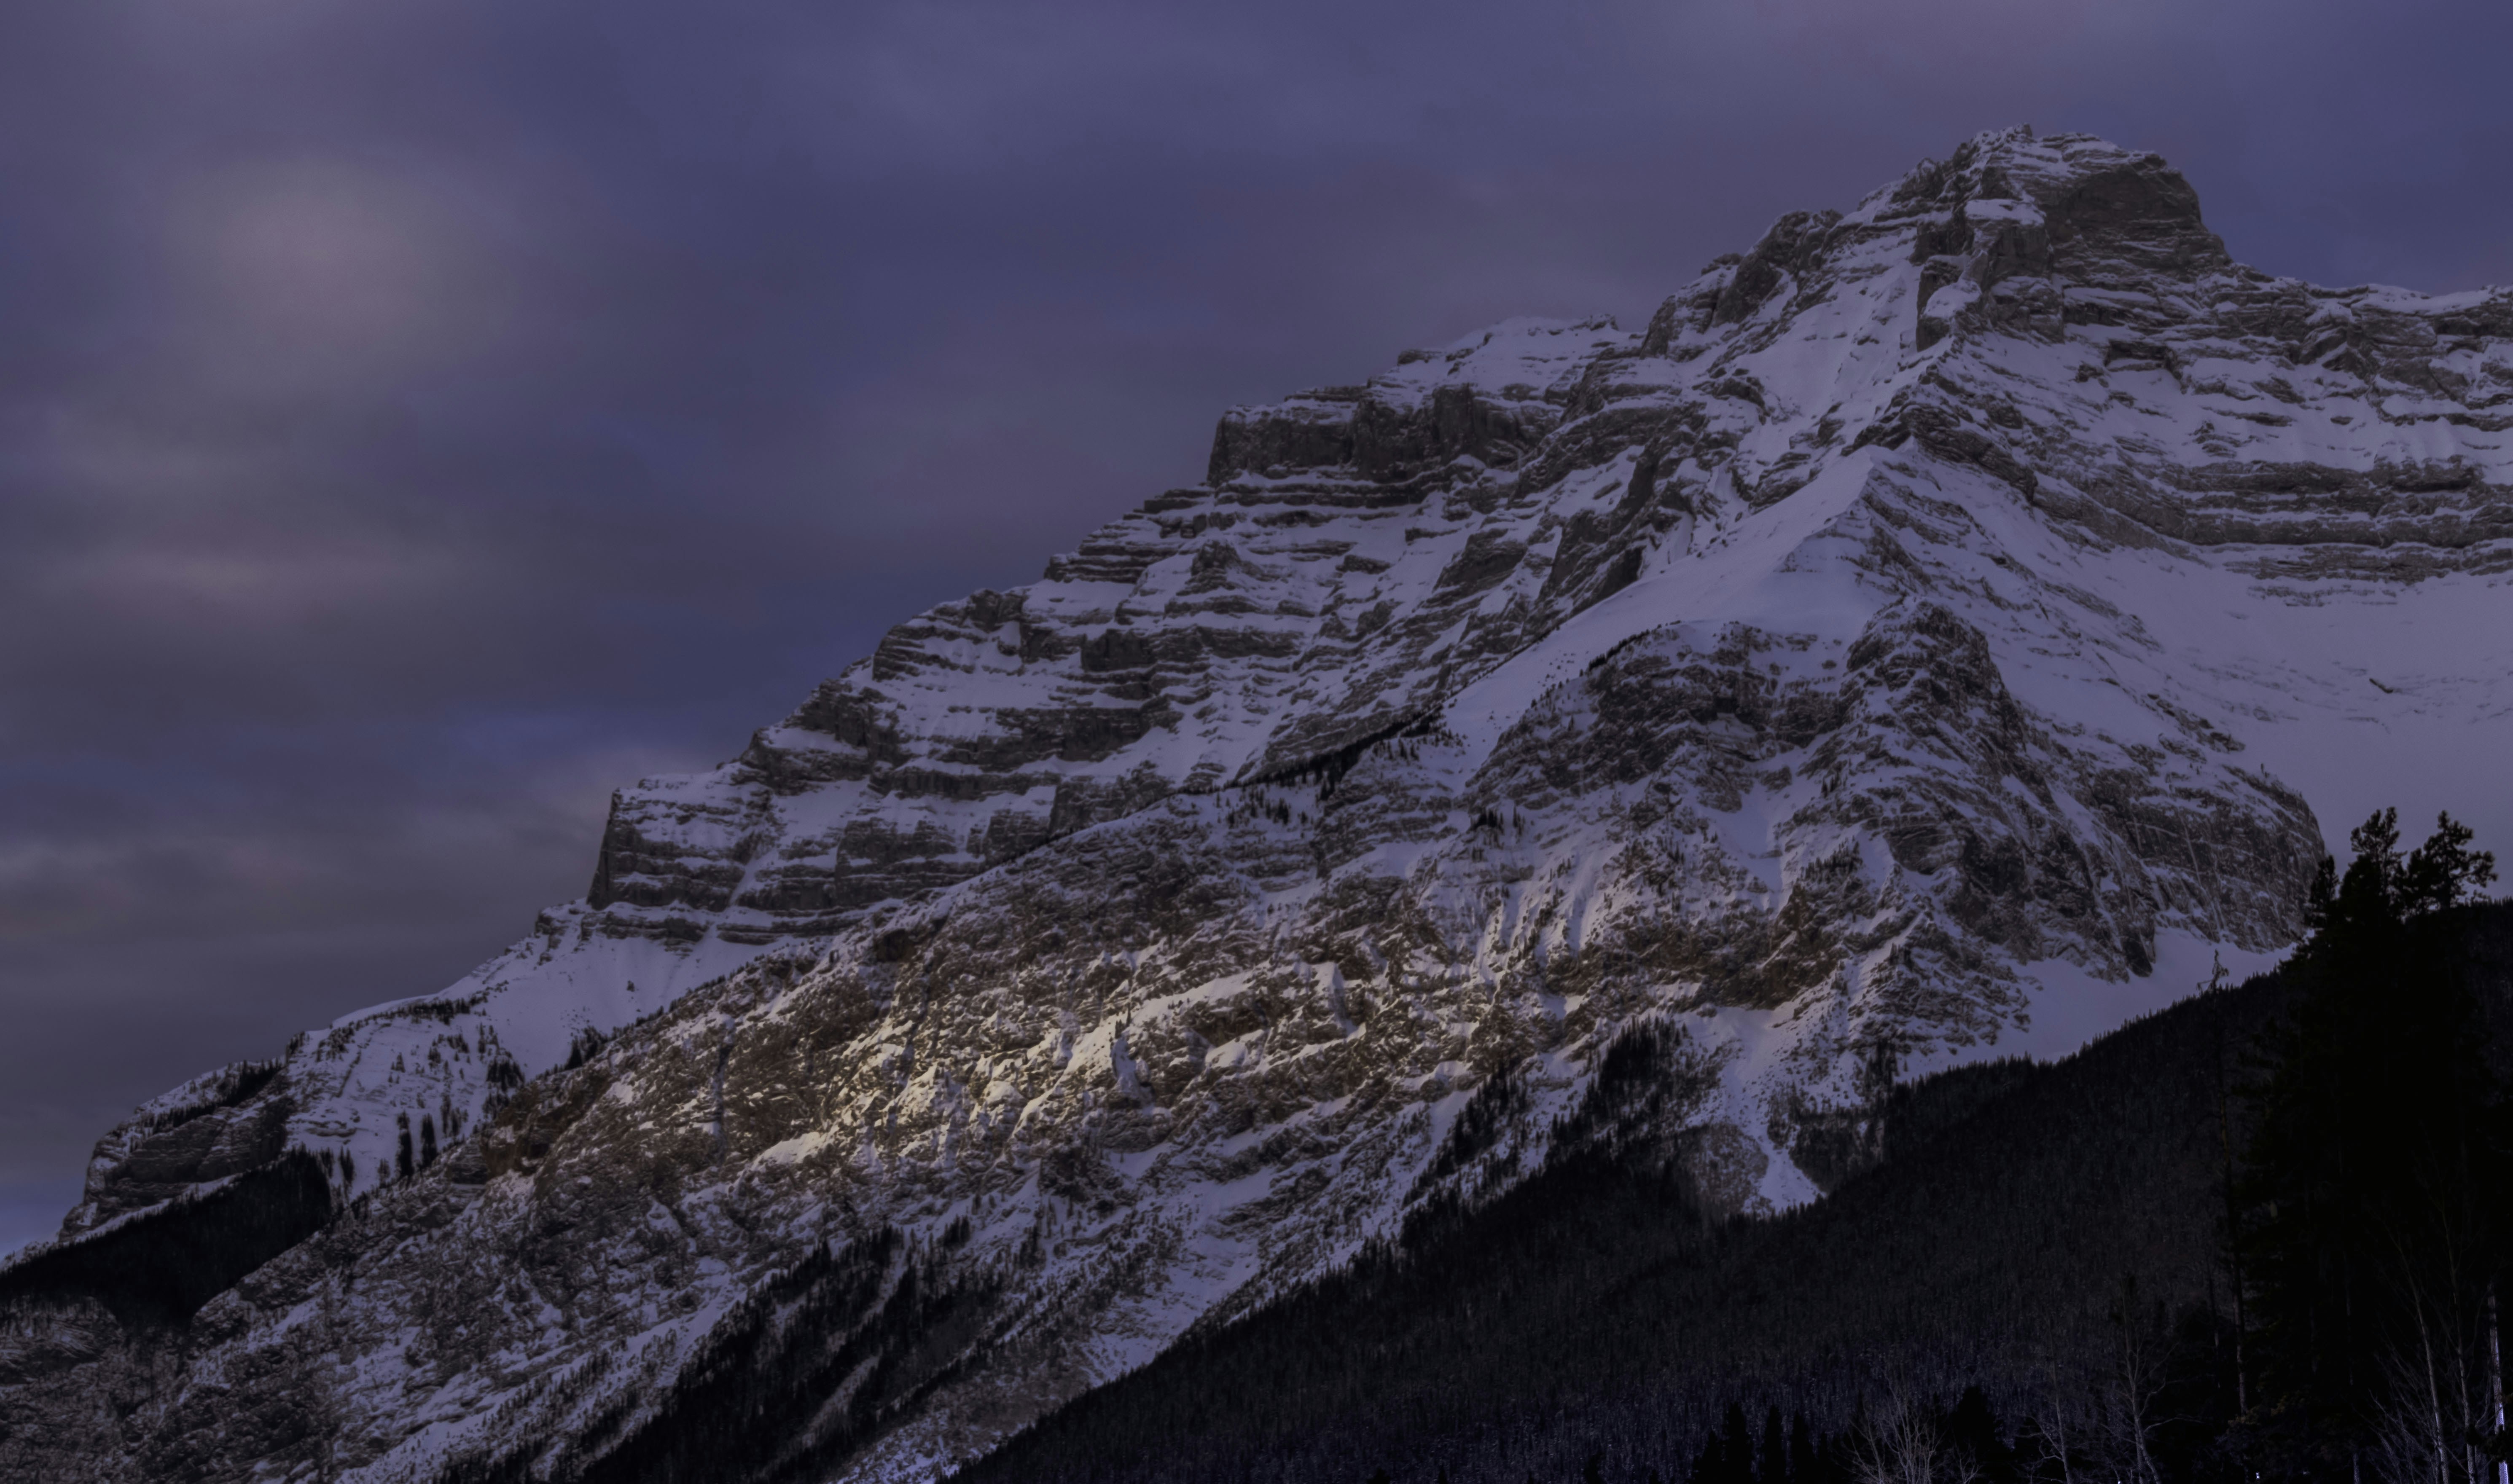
1940,632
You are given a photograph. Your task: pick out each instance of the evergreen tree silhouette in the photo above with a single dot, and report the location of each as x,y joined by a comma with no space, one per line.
2371,1187
1804,1468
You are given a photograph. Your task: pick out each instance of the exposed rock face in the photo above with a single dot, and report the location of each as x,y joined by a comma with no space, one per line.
1903,647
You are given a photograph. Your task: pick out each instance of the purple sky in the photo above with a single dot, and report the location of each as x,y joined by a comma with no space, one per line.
417,419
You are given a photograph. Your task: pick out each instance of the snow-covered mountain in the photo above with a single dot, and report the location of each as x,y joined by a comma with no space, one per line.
1940,632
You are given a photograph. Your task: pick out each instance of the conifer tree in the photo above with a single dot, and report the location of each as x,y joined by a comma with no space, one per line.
2371,1187
1971,1432
2444,871
1802,1466
1737,1439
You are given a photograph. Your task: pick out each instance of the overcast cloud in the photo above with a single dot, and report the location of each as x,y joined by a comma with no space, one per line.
418,420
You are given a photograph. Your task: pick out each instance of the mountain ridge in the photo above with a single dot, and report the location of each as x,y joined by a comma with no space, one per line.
1861,661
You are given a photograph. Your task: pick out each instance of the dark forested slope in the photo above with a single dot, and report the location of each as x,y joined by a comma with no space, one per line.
2051,1233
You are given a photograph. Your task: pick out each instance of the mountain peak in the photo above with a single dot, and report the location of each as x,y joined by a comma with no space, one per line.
2089,193
2007,204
